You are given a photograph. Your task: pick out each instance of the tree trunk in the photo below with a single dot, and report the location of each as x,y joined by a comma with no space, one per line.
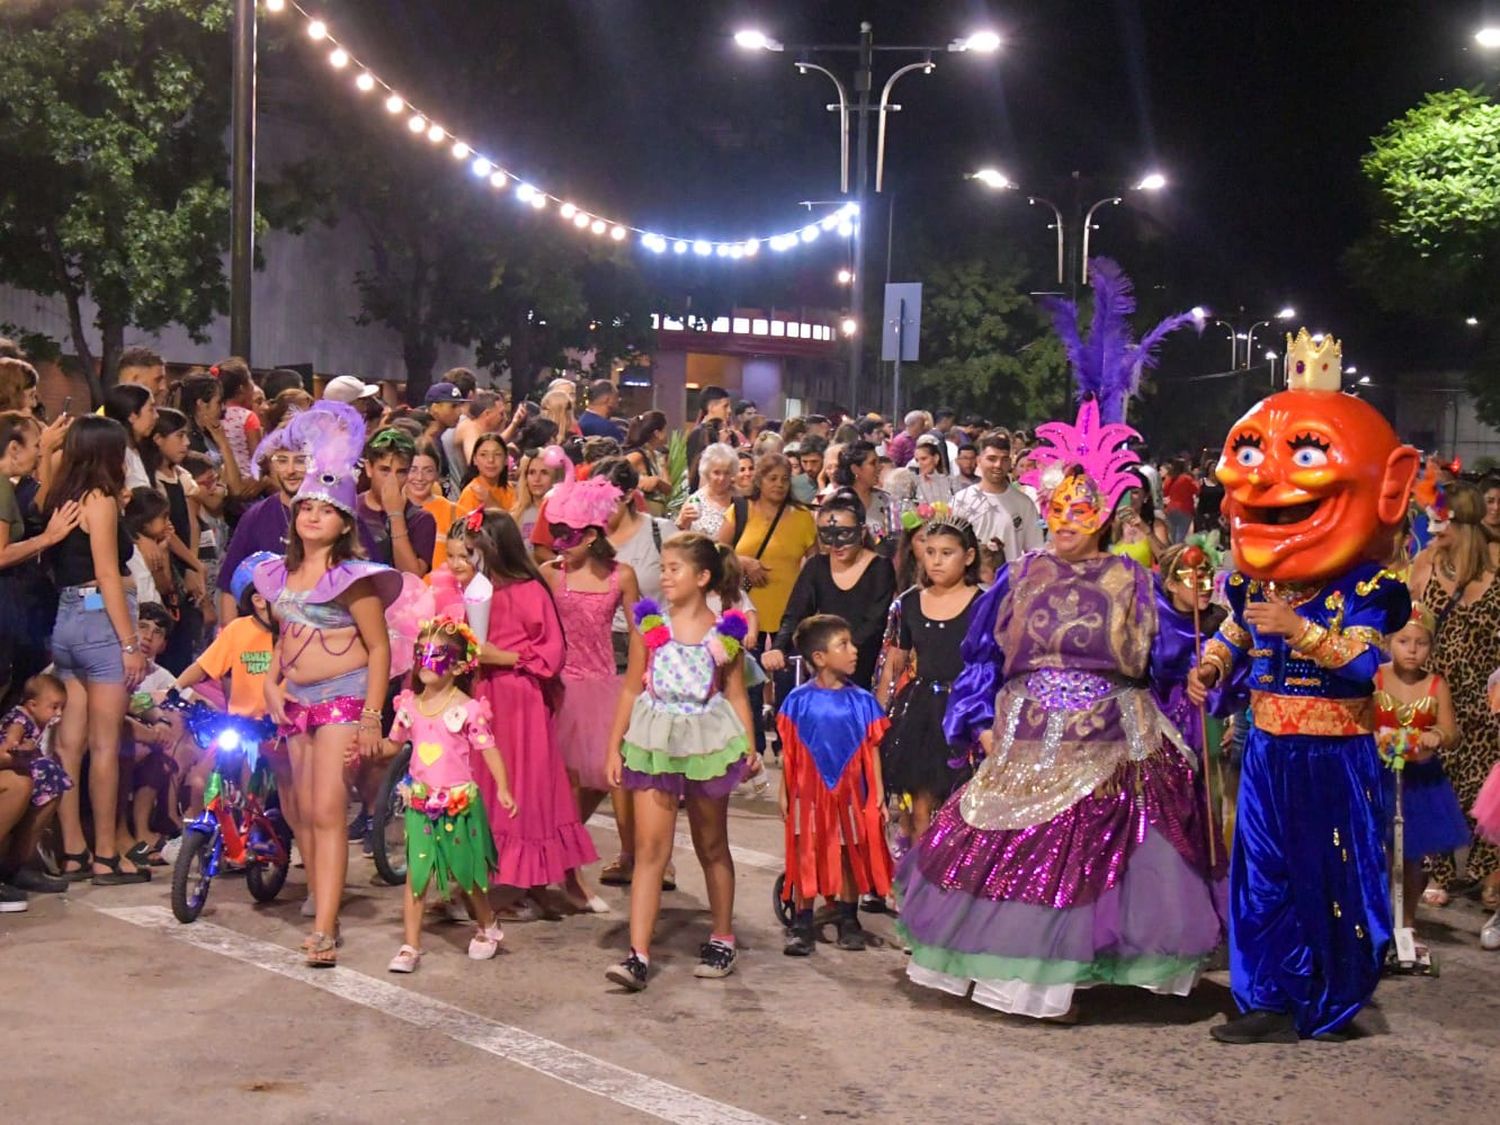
112,340
518,359
419,350
71,295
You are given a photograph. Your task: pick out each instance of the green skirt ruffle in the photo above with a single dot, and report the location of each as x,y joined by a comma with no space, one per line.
457,852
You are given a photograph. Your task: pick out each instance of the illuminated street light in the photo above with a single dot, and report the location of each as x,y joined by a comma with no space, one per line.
983,42
993,178
1488,37
845,276
848,326
752,39
1287,313
1471,321
1154,181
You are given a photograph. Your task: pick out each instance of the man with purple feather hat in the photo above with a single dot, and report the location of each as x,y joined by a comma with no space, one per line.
1078,854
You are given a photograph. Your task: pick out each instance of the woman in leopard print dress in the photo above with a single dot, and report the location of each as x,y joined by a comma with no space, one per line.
1455,577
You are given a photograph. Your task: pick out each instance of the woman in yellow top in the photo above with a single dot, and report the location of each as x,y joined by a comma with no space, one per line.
423,491
489,487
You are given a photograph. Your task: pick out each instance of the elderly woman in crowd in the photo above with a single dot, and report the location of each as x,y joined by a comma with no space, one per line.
704,510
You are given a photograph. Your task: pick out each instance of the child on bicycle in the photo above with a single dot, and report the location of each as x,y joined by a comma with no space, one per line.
448,839
832,795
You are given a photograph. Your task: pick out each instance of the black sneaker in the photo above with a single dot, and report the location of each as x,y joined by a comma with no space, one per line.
800,942
1257,1027
367,845
359,828
715,959
873,904
851,935
12,901
38,881
629,973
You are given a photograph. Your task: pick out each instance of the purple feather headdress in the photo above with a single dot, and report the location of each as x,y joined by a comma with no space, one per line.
1109,364
1099,448
332,434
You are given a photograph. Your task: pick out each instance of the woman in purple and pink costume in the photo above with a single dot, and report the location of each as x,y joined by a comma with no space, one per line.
1077,855
327,682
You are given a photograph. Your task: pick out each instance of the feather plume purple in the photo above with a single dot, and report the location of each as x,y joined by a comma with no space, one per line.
332,434
1109,364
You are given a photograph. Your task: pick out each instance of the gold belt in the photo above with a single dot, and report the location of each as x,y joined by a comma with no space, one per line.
1310,715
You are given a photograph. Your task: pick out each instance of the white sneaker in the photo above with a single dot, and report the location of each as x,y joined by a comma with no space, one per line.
309,907
455,911
406,960
486,942
171,848
1489,936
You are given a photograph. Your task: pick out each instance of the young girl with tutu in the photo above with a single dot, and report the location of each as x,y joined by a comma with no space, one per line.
934,618
681,734
520,660
448,839
589,584
1414,717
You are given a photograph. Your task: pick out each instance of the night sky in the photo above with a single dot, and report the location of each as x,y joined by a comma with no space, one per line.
1258,113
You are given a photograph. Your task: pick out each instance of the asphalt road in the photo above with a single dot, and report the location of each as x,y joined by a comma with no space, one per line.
111,1010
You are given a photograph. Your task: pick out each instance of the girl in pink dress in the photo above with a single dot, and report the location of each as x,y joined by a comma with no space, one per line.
588,584
520,660
448,840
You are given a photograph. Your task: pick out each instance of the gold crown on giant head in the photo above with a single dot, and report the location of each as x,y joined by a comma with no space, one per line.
1314,365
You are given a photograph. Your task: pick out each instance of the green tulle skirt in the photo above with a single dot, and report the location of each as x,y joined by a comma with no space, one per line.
454,850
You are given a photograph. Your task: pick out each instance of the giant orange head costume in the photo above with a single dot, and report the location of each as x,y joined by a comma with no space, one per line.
1315,480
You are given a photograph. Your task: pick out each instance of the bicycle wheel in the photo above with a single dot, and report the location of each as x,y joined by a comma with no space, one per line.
266,875
193,873
782,907
388,823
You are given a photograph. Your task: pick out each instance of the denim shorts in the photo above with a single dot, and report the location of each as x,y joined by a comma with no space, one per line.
84,644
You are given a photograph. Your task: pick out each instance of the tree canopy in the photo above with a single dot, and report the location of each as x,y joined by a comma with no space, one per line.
112,117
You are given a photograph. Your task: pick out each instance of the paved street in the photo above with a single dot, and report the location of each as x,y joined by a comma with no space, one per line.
131,1017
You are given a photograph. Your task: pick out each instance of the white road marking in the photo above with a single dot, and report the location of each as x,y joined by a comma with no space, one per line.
576,1069
743,857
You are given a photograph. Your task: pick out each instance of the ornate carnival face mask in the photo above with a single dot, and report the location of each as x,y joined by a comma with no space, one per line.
437,657
1076,503
835,535
1315,480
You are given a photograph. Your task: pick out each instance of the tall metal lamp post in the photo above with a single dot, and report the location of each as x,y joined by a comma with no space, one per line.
862,107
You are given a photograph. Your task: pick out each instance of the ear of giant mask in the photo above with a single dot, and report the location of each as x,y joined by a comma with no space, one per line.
1315,480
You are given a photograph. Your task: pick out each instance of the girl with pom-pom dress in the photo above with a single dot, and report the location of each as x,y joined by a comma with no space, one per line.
448,839
589,584
520,659
681,733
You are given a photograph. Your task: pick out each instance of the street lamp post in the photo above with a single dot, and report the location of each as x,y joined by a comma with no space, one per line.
242,178
864,50
1285,314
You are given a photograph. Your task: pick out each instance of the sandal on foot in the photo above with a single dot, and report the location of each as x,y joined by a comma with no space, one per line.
1434,896
116,877
617,872
321,951
406,960
669,878
84,870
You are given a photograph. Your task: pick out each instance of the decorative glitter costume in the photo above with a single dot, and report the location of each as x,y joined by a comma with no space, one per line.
1316,484
684,736
447,834
829,741
591,687
1077,854
1435,823
915,755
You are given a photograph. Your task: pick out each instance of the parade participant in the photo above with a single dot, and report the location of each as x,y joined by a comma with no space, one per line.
1414,718
1077,855
1184,590
326,685
849,580
590,584
520,658
832,797
448,839
933,620
681,735
1316,485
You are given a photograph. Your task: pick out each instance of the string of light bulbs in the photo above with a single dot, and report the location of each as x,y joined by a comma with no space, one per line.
501,178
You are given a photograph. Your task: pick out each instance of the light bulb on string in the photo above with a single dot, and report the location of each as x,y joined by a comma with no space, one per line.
460,150
317,30
752,247
417,123
275,5
702,248
580,220
617,233
365,82
539,201
846,230
395,104
567,210
679,247
481,167
722,250
809,232
497,179
436,134
524,192
598,226
338,58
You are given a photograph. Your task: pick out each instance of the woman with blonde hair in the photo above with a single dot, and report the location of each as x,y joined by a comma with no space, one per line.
1454,577
540,469
557,407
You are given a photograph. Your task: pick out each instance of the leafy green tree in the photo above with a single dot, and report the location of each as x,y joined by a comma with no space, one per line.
112,118
987,349
1433,176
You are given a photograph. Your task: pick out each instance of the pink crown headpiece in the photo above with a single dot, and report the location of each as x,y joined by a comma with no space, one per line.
581,504
1098,448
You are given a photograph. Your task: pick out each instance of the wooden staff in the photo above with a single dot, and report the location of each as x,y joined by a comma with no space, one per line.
1196,561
